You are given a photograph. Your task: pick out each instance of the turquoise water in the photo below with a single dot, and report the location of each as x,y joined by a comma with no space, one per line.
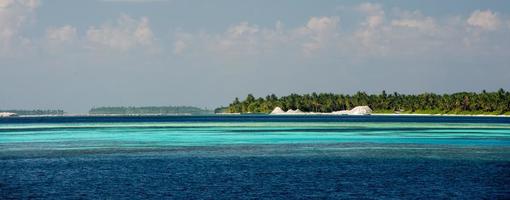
61,136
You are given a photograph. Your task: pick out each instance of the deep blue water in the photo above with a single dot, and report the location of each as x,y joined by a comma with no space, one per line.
156,177
255,157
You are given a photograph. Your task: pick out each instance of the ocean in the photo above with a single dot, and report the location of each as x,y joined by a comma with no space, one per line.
255,157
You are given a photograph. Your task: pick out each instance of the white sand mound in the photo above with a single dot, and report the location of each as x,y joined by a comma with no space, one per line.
358,110
7,114
294,112
361,110
277,111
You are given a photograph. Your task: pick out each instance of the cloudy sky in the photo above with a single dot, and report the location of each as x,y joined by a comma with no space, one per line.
77,54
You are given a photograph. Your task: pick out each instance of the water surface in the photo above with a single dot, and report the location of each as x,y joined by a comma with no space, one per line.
280,157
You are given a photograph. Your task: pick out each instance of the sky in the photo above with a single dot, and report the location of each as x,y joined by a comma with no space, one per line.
74,55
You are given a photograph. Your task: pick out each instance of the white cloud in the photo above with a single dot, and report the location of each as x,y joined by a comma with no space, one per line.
242,29
32,4
27,3
143,32
123,35
14,16
180,46
245,39
415,20
379,33
323,25
133,1
182,42
374,12
408,32
61,34
241,38
486,20
319,32
370,31
371,8
5,3
400,33
425,24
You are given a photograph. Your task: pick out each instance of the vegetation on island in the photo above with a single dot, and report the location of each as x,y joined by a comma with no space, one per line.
150,110
426,103
223,109
34,112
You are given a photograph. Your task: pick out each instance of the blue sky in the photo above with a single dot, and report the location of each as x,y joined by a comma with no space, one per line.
78,54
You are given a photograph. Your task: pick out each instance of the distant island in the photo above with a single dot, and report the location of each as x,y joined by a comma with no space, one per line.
150,110
33,112
461,103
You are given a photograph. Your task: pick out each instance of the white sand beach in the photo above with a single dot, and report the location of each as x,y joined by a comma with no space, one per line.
366,110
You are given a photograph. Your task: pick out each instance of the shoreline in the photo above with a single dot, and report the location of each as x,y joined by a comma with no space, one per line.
440,115
282,114
395,114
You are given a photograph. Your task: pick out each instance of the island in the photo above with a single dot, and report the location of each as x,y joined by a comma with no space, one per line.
149,110
460,103
37,112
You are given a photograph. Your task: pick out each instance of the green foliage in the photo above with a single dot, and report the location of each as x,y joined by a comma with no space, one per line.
35,112
149,110
221,110
428,103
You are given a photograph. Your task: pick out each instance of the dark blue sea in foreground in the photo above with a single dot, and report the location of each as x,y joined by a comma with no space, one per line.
255,157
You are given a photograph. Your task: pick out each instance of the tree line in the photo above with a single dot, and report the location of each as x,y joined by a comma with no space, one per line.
160,110
35,112
497,102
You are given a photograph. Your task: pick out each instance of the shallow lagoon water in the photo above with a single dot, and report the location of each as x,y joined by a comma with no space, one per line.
255,156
